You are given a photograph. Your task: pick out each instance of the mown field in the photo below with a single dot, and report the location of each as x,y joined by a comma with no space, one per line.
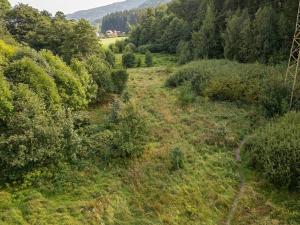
146,190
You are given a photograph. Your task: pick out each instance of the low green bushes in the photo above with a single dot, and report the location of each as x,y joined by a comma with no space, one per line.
28,72
119,79
148,59
177,159
129,60
33,136
128,133
5,98
275,151
222,80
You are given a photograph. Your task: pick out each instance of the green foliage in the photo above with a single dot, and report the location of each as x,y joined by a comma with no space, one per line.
276,96
5,98
28,72
4,8
206,41
130,48
237,37
177,159
68,39
86,79
6,52
32,137
245,31
119,79
69,87
148,59
110,57
184,52
274,150
221,80
82,42
129,134
129,60
101,74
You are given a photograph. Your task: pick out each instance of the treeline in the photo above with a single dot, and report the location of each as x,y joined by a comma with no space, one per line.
243,30
122,21
50,70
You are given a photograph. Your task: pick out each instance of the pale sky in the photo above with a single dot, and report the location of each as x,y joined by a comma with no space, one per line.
66,6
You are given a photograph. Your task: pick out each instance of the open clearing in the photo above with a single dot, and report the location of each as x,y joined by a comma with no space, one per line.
146,191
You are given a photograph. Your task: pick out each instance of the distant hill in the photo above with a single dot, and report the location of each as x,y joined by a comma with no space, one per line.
153,3
98,13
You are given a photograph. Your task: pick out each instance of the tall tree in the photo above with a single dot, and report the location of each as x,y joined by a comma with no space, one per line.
205,41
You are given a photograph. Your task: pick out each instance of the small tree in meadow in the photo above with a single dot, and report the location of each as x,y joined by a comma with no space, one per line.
129,60
119,78
148,59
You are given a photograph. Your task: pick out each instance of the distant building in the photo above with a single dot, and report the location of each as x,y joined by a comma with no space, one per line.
114,33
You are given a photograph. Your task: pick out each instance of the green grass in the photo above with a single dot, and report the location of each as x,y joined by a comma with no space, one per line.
145,191
107,41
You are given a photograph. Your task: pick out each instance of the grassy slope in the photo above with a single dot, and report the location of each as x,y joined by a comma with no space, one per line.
108,41
146,191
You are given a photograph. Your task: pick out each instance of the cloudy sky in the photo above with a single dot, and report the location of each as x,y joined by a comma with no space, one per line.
67,6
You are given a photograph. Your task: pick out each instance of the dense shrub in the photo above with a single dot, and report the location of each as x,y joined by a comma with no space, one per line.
5,98
70,89
6,51
177,159
110,57
86,79
101,73
119,78
130,48
275,99
222,80
129,134
120,46
275,151
32,137
129,60
186,73
148,59
184,52
28,72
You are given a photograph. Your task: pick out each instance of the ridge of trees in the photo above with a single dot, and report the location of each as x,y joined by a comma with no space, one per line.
243,30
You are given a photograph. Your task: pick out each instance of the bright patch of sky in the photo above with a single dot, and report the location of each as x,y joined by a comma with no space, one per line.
66,6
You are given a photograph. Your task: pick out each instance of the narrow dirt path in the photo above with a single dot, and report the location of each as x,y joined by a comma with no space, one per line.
237,198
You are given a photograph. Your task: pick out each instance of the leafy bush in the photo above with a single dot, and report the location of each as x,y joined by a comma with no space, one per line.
186,95
70,89
5,98
119,78
222,80
120,45
177,159
148,59
6,51
130,48
184,52
101,73
129,60
275,151
110,57
128,134
28,72
186,73
275,99
32,137
86,79
143,49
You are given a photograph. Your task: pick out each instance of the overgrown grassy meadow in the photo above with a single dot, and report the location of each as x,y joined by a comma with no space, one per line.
146,191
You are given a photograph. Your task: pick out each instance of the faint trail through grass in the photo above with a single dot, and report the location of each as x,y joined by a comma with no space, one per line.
241,187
